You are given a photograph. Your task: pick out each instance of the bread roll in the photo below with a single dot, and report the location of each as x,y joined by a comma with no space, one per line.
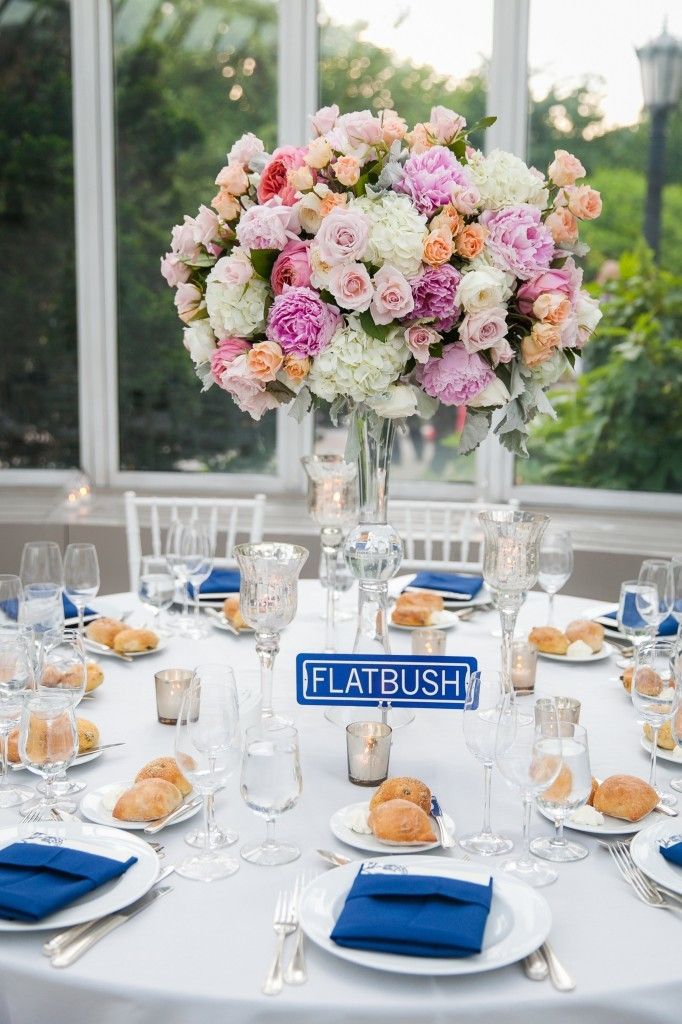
103,631
593,789
647,682
624,796
165,768
549,640
591,633
130,641
415,609
147,801
402,787
560,790
666,740
233,613
95,676
401,821
626,677
88,738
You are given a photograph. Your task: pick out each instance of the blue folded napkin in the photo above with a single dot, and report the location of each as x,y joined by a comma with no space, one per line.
10,609
220,583
673,853
37,880
450,584
414,915
631,617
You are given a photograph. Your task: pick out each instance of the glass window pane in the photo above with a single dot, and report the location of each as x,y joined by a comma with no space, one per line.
383,54
620,425
39,361
191,77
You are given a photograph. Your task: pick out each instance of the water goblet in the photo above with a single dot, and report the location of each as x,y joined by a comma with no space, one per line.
200,571
555,565
207,749
11,598
41,562
48,743
271,784
567,793
529,758
657,573
482,707
16,680
81,577
156,588
268,597
654,696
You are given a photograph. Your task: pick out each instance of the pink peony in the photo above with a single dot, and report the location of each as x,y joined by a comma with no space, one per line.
174,270
342,236
227,351
248,392
351,286
434,294
566,279
419,339
274,180
392,296
300,322
233,269
456,376
428,178
486,329
565,168
325,119
292,267
268,226
206,226
518,241
445,123
245,150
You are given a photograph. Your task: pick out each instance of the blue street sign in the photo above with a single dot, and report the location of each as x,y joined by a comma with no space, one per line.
416,681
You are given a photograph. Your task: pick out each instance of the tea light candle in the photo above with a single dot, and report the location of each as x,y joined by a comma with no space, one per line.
428,641
368,746
523,665
171,685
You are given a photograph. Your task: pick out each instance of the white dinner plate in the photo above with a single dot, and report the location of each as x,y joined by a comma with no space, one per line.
647,856
370,842
611,826
114,895
109,653
91,807
519,919
220,622
90,755
606,652
663,755
441,620
482,597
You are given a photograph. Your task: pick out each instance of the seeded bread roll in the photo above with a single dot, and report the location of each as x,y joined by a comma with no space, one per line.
402,787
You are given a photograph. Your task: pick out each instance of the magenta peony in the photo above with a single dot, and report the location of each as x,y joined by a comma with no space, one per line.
300,322
429,177
455,377
518,241
434,296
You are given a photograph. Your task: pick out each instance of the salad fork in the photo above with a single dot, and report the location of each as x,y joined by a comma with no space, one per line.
637,880
283,922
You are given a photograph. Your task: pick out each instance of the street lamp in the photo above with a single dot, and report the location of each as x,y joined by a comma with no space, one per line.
660,62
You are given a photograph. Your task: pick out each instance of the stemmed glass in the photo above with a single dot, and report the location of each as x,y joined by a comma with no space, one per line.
62,669
268,596
510,567
16,680
631,623
42,575
200,572
529,758
155,587
271,784
81,577
567,793
48,743
11,598
333,504
41,562
657,573
654,697
676,784
482,707
207,749
556,565
188,548
676,610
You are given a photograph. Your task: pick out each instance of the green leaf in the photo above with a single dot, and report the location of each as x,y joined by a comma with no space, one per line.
485,122
378,331
262,261
476,428
436,350
202,260
281,392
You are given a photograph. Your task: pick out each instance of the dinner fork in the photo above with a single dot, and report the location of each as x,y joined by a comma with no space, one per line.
283,922
36,814
637,880
648,883
296,973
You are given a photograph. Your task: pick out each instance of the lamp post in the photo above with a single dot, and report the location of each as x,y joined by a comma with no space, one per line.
660,62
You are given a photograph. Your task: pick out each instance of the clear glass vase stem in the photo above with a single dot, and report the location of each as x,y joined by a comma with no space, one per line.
267,648
331,538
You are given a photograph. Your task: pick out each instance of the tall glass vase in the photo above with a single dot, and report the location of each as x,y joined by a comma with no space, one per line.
373,549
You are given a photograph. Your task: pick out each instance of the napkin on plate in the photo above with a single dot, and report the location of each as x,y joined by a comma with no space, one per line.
456,586
631,616
673,853
70,611
414,915
37,880
221,583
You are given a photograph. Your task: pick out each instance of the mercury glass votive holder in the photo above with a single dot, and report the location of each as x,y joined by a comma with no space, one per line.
171,685
524,659
368,745
567,711
428,640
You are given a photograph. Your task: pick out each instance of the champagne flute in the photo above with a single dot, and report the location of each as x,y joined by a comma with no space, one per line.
16,681
529,758
207,748
271,784
156,587
11,598
482,709
657,573
654,696
81,577
555,565
568,792
48,743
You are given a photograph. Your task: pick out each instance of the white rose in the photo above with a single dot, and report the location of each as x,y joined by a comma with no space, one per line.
236,309
397,232
587,312
495,394
505,180
308,210
482,289
356,365
200,341
399,401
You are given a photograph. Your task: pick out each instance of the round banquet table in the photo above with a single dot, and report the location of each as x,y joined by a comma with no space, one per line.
200,955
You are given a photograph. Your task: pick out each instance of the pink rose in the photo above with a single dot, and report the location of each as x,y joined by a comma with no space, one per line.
274,181
351,286
268,226
264,360
445,124
342,236
206,226
392,295
419,340
393,127
420,139
486,329
563,225
324,120
248,393
233,269
225,204
187,301
291,267
584,202
355,134
227,351
565,280
233,178
465,199
245,150
502,352
565,168
174,270
183,242
347,170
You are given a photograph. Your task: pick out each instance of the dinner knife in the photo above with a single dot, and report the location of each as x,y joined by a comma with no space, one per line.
535,966
74,950
96,645
156,826
79,758
446,840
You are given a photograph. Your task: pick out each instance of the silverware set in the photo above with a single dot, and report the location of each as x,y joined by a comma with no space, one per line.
544,963
285,922
645,889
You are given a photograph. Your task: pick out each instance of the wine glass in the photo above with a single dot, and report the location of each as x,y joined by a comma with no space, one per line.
42,609
188,546
41,562
81,577
556,565
156,587
676,610
207,749
568,792
268,596
11,597
271,784
200,570
631,622
16,680
676,784
655,572
48,743
62,669
482,707
654,696
529,758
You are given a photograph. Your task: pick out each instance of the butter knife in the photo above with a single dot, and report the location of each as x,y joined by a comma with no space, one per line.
79,758
74,950
96,645
446,840
535,966
156,826
558,975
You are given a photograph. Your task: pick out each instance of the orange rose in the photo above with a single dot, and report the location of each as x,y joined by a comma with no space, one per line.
225,205
264,360
552,307
330,201
537,347
565,168
471,240
584,202
297,369
563,225
438,247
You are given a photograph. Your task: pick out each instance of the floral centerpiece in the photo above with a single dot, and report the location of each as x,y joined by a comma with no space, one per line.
387,269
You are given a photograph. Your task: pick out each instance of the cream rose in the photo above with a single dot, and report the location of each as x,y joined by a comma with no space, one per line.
483,289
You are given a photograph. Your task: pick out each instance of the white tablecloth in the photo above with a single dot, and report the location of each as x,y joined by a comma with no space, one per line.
200,954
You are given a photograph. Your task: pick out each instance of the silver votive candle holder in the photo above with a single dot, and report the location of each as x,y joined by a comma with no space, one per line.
171,686
567,710
428,640
524,659
368,745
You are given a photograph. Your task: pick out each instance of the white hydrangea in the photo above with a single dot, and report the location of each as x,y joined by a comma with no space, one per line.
505,180
236,309
397,232
356,365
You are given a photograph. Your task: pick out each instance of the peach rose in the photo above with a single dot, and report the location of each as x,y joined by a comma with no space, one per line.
537,347
225,205
300,178
393,126
448,217
563,225
552,307
234,178
420,139
471,241
319,153
347,170
584,202
565,168
331,201
264,360
438,247
297,368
